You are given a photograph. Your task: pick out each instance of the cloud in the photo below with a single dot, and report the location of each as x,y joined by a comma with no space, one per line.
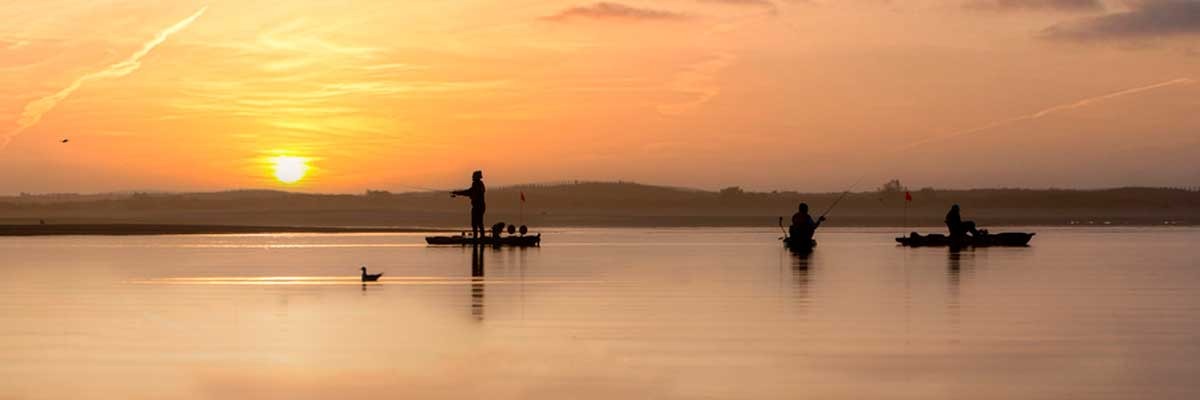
1147,19
700,81
35,110
739,2
1036,5
14,44
765,4
1052,110
614,11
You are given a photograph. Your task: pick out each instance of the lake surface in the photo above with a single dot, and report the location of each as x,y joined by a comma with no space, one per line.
601,314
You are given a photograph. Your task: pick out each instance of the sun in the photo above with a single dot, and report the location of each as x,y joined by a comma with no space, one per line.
289,169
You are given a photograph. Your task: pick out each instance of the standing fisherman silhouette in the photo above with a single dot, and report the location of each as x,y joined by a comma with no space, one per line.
803,227
959,228
478,206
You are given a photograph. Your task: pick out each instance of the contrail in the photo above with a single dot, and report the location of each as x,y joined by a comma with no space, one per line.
34,111
1048,111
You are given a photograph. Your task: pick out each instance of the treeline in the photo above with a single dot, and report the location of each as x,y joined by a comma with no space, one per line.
617,204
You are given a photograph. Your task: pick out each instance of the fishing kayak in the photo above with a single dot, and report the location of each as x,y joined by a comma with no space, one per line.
1009,239
800,245
516,241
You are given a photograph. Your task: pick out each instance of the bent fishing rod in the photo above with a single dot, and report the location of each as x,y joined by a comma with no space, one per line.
839,199
831,206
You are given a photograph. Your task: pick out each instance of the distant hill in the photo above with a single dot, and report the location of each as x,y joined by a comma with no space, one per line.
612,204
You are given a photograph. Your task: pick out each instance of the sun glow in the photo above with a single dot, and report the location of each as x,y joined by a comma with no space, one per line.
289,169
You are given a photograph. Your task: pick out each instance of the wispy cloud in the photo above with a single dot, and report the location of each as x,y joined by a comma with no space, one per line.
764,4
305,85
1126,92
14,44
34,111
1049,111
1036,5
699,80
614,11
1147,19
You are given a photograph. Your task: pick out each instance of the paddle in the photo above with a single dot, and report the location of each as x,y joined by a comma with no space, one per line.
785,234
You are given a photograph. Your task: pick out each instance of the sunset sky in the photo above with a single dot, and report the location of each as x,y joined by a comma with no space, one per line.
767,94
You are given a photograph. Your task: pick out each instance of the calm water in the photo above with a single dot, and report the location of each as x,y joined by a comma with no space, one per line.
603,314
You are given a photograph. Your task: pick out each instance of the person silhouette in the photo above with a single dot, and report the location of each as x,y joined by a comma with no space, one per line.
959,228
803,227
478,205
497,229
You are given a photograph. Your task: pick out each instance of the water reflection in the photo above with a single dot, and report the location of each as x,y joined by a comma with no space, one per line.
375,287
955,258
477,283
802,274
954,269
620,313
957,261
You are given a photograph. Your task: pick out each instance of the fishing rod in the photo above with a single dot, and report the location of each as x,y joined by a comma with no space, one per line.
421,188
831,206
839,199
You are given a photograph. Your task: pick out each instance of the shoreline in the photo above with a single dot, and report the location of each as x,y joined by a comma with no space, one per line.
186,229
135,229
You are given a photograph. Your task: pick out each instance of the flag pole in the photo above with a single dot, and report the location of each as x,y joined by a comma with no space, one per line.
907,199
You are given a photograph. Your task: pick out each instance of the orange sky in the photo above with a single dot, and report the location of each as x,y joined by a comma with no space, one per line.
768,94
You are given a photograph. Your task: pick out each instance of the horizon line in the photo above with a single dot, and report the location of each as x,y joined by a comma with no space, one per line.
364,191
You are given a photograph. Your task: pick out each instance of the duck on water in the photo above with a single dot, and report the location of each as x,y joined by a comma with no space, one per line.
369,277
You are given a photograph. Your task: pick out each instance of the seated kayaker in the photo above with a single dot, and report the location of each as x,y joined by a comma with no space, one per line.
497,228
958,227
803,227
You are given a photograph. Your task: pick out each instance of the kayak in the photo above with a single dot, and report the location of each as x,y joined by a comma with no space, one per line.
516,241
1010,239
800,245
